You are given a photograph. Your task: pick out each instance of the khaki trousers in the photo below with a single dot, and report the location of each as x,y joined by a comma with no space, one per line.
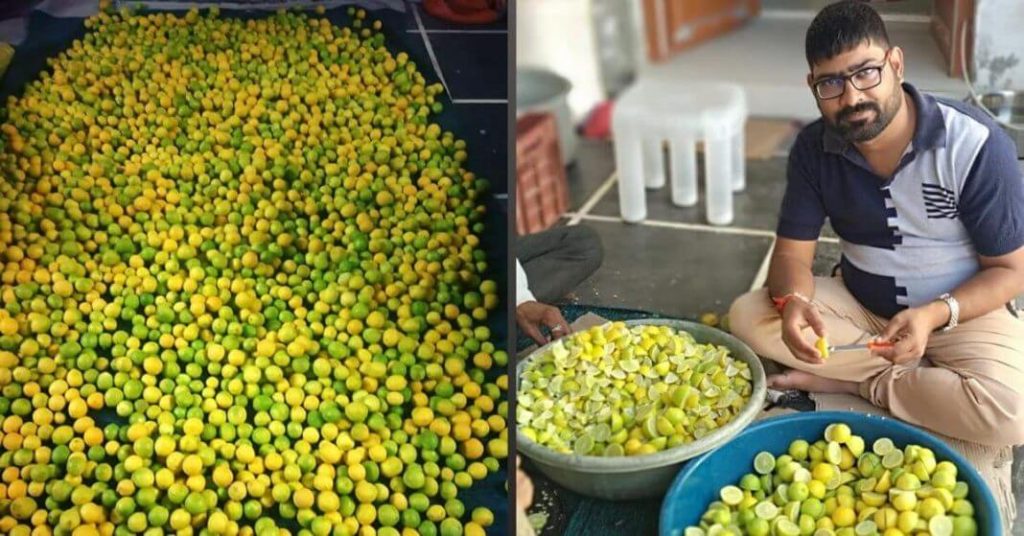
970,384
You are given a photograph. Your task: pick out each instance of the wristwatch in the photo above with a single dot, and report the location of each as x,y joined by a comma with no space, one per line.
954,311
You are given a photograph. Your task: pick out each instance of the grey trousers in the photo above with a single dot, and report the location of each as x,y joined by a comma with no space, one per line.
558,259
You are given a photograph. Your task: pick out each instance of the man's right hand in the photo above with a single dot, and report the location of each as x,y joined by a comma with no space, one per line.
531,315
798,315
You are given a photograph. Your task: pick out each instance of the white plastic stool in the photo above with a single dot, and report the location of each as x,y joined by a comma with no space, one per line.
681,113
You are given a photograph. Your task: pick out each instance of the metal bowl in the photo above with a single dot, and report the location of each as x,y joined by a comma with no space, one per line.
543,91
1007,107
637,477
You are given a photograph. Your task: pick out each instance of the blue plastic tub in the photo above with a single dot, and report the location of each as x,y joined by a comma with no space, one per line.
698,484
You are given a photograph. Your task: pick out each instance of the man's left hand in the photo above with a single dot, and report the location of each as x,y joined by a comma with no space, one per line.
909,331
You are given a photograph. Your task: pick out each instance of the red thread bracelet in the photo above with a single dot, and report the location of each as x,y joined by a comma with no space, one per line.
780,303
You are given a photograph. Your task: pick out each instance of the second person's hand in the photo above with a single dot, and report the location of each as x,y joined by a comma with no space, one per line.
531,316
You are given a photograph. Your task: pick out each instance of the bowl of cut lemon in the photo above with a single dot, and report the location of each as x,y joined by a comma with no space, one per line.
614,411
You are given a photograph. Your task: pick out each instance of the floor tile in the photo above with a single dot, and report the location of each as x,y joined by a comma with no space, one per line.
485,129
483,126
494,241
399,40
475,66
756,207
674,272
399,21
593,165
48,37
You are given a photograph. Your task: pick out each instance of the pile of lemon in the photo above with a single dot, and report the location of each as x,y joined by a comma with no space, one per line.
629,390
242,288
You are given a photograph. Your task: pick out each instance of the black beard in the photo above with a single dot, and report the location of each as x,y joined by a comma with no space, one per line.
866,129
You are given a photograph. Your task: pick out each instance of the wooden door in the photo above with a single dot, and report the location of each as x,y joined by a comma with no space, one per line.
674,25
949,19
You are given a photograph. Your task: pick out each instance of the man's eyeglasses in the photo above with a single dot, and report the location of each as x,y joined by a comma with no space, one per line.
863,79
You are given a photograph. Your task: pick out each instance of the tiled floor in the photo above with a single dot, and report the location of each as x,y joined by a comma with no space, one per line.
472,63
475,65
754,209
682,274
687,271
678,257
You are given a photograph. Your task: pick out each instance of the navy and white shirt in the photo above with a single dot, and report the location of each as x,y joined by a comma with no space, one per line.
957,193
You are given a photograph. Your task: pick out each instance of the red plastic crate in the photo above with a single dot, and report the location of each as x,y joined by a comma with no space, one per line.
542,194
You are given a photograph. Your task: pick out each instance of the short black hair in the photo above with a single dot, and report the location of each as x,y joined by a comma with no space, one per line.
842,26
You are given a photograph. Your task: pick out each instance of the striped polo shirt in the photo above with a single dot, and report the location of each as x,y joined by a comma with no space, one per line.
956,194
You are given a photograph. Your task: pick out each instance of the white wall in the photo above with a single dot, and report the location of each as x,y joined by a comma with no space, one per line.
999,45
558,35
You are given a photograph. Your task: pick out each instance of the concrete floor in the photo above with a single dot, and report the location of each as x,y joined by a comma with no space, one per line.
689,267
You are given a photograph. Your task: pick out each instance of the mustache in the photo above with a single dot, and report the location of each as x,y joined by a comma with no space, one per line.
861,107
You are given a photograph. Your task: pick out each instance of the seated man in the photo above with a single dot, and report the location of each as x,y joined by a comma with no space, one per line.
549,265
928,201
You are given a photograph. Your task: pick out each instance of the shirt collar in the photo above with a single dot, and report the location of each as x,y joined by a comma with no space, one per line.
929,132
